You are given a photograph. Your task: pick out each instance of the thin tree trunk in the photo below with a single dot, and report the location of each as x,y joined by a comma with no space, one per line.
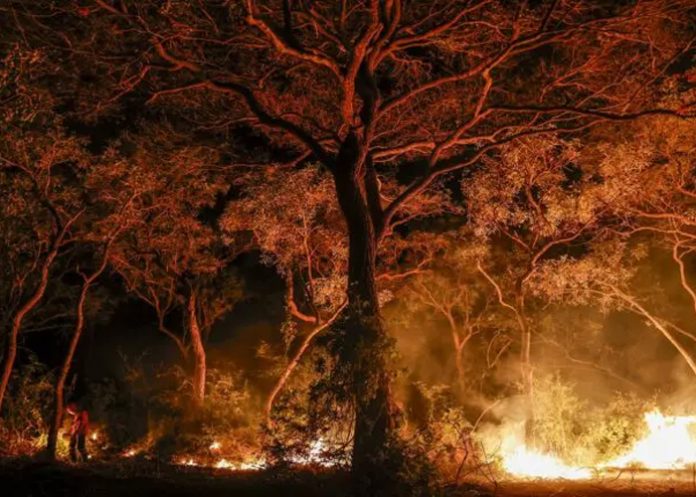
58,394
458,344
58,401
374,420
199,360
526,369
295,361
459,363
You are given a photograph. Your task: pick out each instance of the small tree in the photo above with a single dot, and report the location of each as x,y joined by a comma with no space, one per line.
173,258
450,290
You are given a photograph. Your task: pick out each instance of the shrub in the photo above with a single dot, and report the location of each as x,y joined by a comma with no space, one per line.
27,409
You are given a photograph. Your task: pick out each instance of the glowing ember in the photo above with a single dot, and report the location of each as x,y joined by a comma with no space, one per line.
668,444
224,464
315,455
526,463
252,465
94,435
131,452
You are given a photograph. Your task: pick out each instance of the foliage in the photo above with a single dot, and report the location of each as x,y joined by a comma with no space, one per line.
559,417
227,415
26,414
584,434
299,417
619,425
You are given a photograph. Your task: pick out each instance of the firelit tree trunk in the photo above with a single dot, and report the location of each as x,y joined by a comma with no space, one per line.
526,369
372,382
18,319
58,400
198,356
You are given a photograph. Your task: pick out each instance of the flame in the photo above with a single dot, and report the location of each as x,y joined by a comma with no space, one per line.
527,463
252,465
668,444
314,456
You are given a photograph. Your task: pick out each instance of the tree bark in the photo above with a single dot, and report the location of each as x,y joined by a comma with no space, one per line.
199,359
372,382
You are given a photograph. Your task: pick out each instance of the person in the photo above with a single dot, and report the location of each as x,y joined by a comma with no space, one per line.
79,430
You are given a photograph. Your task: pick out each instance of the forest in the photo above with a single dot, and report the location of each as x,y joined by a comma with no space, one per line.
348,247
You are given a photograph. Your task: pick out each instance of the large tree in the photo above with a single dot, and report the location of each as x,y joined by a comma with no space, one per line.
370,89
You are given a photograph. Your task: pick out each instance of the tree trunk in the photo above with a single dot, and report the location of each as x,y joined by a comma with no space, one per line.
526,369
459,363
295,361
26,308
199,362
458,344
58,401
371,381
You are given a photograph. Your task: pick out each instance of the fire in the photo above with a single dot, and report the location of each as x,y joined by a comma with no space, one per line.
527,463
668,444
253,465
314,456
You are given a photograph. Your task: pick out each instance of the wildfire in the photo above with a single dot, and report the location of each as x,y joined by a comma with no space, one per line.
530,464
668,445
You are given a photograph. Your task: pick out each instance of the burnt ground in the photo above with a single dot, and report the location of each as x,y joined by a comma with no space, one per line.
27,478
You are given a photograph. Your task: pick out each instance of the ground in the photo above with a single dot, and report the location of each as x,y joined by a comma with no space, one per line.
26,478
